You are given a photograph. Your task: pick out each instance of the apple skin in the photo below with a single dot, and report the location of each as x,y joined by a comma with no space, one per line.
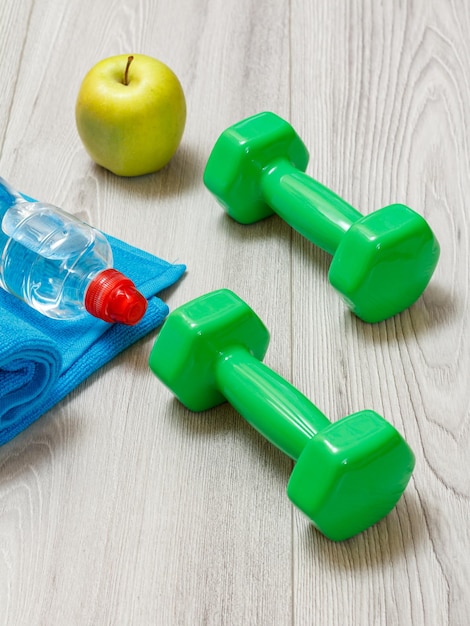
135,128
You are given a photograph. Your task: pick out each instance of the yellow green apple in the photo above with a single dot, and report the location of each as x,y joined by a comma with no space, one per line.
130,114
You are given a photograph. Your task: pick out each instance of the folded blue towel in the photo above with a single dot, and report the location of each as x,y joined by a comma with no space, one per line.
42,359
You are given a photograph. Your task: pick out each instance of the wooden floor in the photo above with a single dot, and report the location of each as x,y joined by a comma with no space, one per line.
119,506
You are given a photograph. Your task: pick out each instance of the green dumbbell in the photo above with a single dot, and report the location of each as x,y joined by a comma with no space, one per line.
348,475
382,262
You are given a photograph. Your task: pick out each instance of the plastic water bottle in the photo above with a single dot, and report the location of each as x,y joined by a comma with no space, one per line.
61,266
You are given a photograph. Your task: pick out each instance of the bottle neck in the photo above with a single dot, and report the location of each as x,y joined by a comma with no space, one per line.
113,297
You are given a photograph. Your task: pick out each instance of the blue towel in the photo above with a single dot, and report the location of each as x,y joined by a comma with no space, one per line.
42,359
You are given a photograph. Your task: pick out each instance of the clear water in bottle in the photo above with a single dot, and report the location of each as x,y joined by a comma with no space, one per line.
62,267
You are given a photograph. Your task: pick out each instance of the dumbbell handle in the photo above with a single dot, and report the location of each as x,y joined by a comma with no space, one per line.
309,207
268,402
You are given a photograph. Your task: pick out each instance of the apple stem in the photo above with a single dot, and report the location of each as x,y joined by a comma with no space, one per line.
126,71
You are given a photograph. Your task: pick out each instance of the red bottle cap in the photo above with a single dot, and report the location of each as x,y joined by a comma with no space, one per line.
113,297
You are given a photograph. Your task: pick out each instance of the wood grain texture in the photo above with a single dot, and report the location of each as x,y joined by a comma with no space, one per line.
121,507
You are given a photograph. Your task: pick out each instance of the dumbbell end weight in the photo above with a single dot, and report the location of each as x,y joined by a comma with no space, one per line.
239,157
384,262
192,339
360,466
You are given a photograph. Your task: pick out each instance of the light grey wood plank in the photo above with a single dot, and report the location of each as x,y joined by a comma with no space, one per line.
14,20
